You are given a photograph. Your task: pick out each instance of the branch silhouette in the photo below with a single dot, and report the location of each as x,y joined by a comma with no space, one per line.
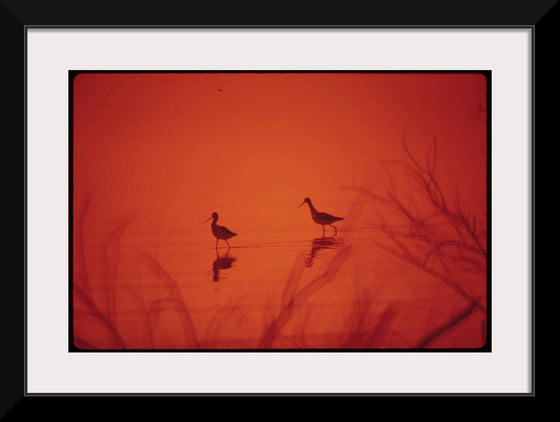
440,240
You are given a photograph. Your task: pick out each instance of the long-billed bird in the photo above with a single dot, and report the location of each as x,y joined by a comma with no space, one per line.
321,218
220,232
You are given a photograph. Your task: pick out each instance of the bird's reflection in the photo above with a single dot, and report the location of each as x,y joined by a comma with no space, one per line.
321,243
221,263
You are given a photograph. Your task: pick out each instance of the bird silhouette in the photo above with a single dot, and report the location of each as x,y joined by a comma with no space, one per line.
321,218
220,232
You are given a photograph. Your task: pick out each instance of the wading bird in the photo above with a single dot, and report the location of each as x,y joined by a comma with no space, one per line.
220,232
321,218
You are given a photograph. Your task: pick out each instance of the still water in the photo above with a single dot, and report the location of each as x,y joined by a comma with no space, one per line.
174,290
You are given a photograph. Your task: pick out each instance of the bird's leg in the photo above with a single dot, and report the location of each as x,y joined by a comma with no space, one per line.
323,230
335,230
228,244
216,245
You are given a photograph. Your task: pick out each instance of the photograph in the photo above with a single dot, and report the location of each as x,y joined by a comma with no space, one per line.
278,210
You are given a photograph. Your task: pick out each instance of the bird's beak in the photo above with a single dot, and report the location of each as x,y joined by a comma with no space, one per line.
207,220
301,204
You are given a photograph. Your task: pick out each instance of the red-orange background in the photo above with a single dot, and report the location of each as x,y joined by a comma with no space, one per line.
168,149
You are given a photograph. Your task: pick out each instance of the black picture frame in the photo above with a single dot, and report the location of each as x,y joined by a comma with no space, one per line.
17,15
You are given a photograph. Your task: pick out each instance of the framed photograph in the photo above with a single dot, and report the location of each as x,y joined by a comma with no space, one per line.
278,209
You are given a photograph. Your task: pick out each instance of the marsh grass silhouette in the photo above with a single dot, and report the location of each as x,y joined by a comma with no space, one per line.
89,313
441,239
172,301
293,298
103,319
366,330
